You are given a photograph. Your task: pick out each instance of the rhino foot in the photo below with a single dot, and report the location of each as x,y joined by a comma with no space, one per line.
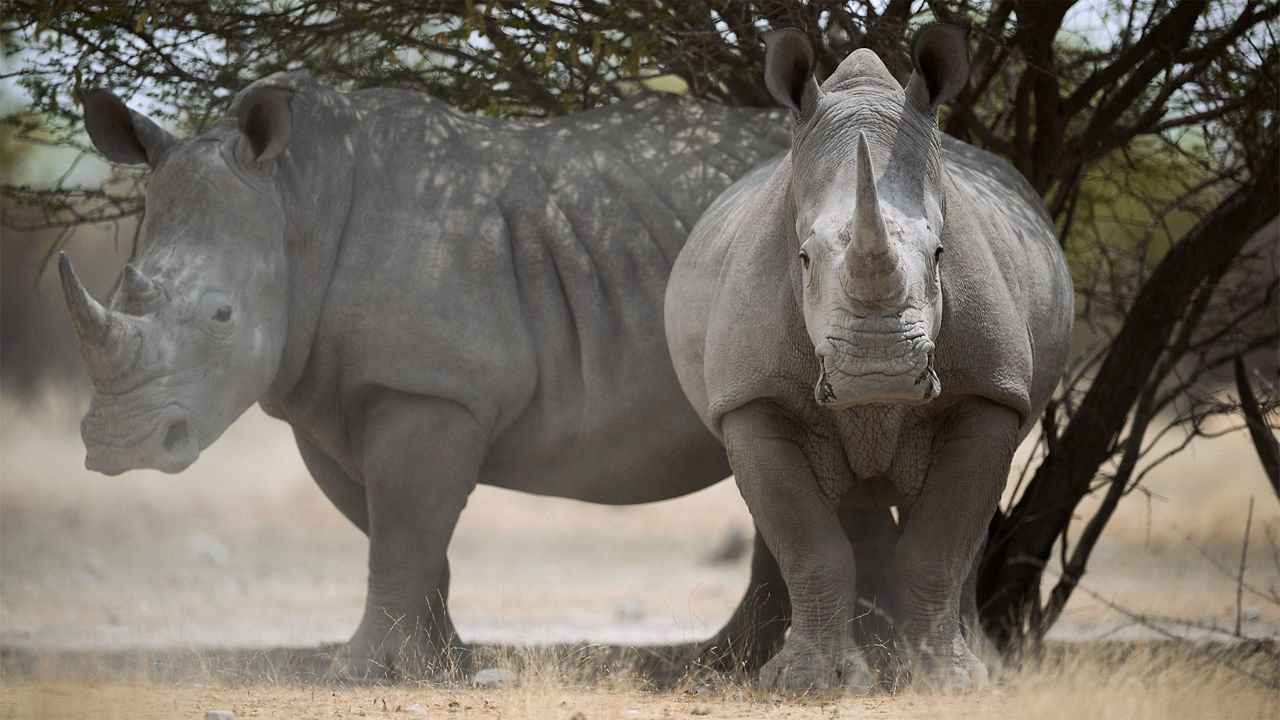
949,674
358,663
352,667
758,626
725,657
753,635
818,666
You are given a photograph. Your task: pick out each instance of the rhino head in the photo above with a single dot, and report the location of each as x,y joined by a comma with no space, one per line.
869,212
193,332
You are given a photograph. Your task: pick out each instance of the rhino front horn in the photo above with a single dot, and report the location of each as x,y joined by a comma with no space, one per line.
871,257
108,342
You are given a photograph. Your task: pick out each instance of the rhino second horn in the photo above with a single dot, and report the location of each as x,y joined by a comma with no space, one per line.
138,291
108,343
871,259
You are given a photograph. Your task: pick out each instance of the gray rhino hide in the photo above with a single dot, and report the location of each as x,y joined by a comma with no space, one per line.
429,299
994,293
498,285
738,303
515,269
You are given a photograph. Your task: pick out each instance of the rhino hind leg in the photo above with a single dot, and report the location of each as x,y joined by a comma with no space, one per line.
758,625
873,534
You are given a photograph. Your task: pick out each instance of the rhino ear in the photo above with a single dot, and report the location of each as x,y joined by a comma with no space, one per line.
940,62
120,134
265,119
788,69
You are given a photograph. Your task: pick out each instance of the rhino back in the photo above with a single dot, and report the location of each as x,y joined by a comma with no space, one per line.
518,269
613,201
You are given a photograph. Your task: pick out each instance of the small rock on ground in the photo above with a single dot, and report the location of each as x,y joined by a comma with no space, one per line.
219,715
493,678
629,611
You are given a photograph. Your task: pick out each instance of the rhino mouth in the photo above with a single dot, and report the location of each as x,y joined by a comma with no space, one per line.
115,443
848,375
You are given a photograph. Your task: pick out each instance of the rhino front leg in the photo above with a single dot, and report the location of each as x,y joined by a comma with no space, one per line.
344,491
802,528
757,627
944,530
420,460
348,495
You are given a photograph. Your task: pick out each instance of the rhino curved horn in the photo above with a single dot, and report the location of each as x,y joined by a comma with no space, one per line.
871,259
138,292
108,342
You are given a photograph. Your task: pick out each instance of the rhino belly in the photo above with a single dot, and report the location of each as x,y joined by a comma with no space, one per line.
650,453
867,493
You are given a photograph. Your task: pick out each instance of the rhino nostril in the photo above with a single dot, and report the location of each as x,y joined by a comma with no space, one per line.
176,435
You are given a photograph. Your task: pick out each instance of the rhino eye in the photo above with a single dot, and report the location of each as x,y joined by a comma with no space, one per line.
223,314
804,259
937,254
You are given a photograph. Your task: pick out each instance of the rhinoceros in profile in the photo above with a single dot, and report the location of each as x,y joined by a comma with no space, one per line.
430,299
874,320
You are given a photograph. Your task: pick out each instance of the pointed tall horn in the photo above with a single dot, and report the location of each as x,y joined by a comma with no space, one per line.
138,293
871,258
92,321
108,342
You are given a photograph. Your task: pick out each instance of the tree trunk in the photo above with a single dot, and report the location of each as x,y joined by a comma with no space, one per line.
1022,540
1263,439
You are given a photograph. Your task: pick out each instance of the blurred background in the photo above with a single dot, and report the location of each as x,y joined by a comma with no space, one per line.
1149,128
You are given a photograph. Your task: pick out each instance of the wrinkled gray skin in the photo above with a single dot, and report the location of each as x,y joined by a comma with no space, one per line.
431,300
849,364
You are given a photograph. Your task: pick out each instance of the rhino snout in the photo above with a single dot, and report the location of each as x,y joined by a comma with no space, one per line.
167,444
849,375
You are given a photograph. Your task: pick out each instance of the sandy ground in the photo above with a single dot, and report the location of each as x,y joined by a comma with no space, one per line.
243,551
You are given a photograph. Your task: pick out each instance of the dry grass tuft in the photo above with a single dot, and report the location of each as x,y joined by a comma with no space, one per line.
1150,680
1127,681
